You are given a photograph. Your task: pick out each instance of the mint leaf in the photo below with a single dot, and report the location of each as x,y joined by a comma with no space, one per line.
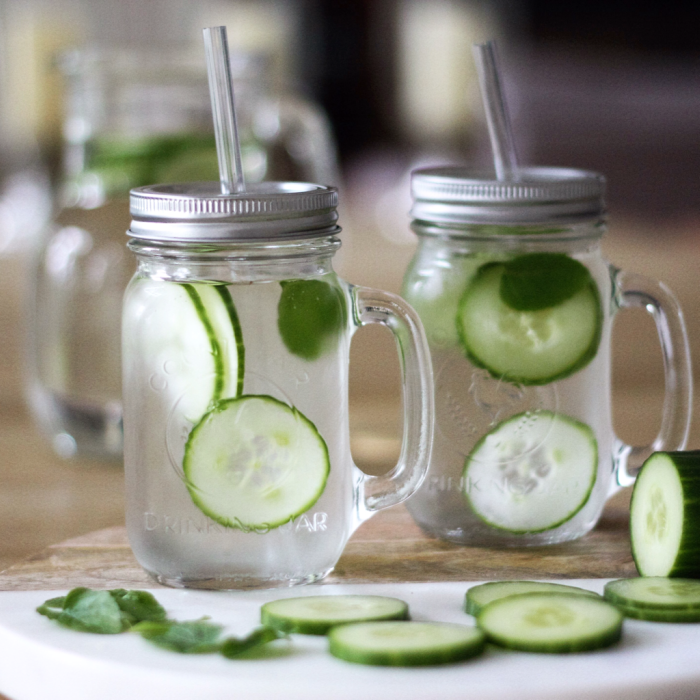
90,611
193,637
310,314
538,281
139,605
233,646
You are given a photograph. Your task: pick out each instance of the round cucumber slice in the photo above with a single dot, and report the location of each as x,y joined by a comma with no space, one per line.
533,345
665,515
192,340
255,463
551,622
480,596
656,598
405,643
532,472
317,614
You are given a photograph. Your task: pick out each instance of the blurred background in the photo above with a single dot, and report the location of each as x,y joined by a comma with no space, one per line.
353,93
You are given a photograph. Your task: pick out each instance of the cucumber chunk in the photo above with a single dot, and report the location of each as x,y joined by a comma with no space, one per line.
192,340
255,463
480,596
551,622
405,643
317,614
656,598
537,345
532,472
665,515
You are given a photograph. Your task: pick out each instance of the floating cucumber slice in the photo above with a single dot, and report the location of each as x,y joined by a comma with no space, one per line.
656,598
479,596
255,463
405,643
532,472
537,345
551,622
317,614
192,340
311,314
665,515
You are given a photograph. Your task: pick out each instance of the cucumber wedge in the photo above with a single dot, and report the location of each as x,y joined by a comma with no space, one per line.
532,472
525,337
551,623
192,340
665,515
656,598
317,614
480,596
254,463
405,643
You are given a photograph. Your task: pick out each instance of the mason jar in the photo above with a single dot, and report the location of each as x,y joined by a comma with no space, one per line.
518,304
236,339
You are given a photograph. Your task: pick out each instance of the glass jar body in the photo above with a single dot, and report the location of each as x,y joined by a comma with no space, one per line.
482,406
176,533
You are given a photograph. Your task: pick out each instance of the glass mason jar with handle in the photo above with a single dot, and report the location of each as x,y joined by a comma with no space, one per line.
518,304
236,337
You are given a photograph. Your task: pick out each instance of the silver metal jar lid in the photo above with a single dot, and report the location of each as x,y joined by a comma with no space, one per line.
458,195
197,212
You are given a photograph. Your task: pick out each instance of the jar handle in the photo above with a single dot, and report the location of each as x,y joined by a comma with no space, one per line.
375,493
636,291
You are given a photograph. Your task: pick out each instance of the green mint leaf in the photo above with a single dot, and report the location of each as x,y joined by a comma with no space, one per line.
538,281
193,637
91,611
139,605
233,646
310,314
49,611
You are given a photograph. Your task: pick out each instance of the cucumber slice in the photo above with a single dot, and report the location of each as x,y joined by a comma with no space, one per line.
537,345
532,472
317,614
192,340
551,622
405,643
255,463
665,515
480,596
656,598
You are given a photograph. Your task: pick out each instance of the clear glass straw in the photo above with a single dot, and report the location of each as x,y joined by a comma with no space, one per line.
502,143
228,147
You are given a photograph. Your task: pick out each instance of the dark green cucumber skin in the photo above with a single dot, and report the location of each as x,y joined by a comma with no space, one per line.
571,646
318,627
414,657
649,615
583,360
473,607
687,563
225,295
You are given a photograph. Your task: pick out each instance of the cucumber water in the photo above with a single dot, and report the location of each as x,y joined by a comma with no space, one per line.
471,402
237,472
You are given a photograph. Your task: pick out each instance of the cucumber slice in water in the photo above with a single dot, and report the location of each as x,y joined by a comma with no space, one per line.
656,598
405,643
317,614
536,343
665,515
478,597
192,339
532,472
255,463
551,622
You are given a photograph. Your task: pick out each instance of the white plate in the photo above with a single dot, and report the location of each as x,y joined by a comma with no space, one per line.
40,660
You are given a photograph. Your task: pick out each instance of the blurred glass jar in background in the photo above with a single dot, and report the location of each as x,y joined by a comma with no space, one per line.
134,119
